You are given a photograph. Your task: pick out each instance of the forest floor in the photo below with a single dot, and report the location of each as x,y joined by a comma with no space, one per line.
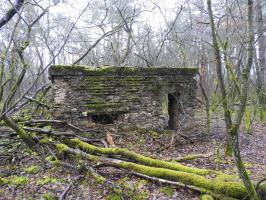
34,179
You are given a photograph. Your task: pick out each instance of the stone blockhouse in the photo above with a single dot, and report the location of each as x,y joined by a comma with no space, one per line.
123,97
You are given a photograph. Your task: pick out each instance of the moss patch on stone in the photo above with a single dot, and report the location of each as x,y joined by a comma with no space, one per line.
107,107
109,70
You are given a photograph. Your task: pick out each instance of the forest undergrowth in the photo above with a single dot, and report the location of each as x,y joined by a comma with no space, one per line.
24,174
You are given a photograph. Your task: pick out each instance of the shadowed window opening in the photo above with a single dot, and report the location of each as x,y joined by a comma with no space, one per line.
104,118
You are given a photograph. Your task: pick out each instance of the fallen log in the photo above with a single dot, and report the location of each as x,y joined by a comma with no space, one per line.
76,143
219,184
206,197
208,194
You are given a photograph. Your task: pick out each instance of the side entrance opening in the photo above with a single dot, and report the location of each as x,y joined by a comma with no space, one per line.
173,111
104,118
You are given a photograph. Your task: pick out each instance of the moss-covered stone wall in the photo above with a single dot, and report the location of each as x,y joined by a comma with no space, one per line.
130,96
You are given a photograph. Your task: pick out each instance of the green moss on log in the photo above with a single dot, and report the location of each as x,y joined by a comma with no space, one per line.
206,197
139,158
61,148
215,185
233,189
3,181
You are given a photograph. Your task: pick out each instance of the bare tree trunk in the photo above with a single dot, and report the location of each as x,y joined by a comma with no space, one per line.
233,127
241,167
260,68
21,132
227,113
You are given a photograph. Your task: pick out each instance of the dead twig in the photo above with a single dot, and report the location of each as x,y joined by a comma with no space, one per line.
36,101
57,133
67,189
50,122
192,157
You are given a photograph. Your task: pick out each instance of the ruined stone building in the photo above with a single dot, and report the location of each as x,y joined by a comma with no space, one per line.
123,97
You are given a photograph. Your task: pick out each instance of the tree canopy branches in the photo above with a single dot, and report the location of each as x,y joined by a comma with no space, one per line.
11,12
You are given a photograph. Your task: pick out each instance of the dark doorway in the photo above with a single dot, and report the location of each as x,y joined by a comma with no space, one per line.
173,111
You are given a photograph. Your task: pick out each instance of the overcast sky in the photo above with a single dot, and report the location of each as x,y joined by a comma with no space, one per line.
154,18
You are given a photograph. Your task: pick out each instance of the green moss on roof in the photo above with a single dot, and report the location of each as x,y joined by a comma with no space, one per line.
112,70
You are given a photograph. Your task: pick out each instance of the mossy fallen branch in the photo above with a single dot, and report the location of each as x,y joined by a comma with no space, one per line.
192,157
217,185
140,158
191,187
20,131
206,197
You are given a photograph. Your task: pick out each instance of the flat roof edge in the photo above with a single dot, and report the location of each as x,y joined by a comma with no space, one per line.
75,70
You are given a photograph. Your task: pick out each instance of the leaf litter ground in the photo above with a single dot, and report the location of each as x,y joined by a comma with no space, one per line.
46,182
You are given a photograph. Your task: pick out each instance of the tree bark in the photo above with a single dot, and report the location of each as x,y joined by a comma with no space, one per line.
260,68
11,12
227,113
21,132
233,126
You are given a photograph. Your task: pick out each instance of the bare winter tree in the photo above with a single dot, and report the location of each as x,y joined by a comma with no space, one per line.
11,12
15,67
261,55
232,125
